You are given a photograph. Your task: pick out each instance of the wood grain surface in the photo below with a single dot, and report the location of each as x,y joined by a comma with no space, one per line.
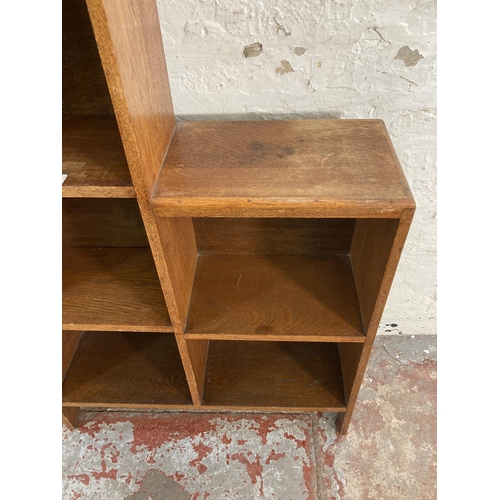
84,88
102,222
273,236
281,168
70,341
131,370
371,247
70,416
112,289
274,375
274,298
93,158
384,262
130,45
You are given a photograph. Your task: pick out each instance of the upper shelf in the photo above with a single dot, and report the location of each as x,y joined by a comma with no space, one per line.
282,168
93,158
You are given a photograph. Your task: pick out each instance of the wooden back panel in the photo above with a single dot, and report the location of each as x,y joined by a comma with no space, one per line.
84,88
102,222
274,236
131,49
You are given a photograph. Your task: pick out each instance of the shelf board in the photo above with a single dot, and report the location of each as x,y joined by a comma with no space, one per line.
281,168
276,376
279,297
127,370
112,289
93,158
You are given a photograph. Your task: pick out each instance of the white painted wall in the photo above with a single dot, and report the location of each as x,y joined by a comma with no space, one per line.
349,69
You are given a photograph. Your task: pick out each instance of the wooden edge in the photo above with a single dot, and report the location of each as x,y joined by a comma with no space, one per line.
202,408
389,273
274,208
276,338
117,328
402,176
97,192
70,416
70,340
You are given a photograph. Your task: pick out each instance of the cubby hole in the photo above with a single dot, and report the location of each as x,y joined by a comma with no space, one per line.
274,279
302,376
109,276
93,158
125,370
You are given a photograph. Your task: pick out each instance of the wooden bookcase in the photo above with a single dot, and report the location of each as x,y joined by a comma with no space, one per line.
221,265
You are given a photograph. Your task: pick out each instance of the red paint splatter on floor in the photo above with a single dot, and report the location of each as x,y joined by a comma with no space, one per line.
300,442
254,469
226,440
83,478
308,473
196,496
241,442
113,452
105,474
178,476
275,456
203,451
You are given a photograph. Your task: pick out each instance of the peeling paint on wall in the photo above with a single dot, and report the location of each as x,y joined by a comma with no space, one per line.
252,50
365,59
284,68
408,56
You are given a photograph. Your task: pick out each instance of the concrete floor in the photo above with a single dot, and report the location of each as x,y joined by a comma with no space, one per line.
389,453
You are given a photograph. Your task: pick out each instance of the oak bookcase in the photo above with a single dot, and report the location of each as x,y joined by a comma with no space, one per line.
219,265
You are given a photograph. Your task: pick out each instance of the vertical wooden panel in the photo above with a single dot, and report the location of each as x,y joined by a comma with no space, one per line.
350,356
84,89
370,249
70,339
180,252
375,252
102,222
129,39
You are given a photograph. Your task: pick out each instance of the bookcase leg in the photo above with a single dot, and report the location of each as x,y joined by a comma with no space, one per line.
70,416
342,423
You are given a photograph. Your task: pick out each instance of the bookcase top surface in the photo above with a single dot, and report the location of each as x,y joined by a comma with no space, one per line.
302,168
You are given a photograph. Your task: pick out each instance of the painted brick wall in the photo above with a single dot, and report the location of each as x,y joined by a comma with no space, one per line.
324,58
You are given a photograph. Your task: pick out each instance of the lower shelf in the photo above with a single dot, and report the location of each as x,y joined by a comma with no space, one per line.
126,370
291,376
